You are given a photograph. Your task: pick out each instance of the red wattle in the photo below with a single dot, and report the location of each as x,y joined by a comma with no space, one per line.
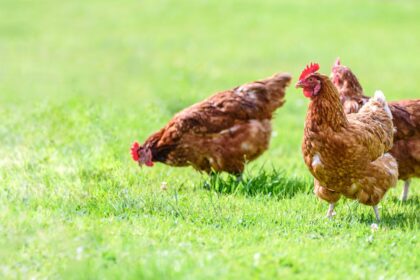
307,93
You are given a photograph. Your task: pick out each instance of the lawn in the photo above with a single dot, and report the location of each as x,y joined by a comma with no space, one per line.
81,80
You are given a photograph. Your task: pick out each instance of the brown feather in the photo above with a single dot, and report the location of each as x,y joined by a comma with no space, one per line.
347,154
406,120
224,131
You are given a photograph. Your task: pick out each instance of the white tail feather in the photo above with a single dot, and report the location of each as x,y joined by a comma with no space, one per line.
380,97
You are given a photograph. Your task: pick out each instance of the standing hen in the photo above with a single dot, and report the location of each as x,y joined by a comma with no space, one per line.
220,133
347,155
406,119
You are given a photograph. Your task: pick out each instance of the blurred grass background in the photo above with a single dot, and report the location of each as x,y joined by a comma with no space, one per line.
80,80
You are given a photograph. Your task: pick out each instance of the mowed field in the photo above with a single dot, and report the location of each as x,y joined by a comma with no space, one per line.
81,80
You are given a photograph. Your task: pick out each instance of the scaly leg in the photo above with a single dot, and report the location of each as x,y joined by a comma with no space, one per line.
211,180
239,177
330,212
405,190
375,209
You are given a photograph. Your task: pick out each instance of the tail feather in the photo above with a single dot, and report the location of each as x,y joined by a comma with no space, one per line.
380,97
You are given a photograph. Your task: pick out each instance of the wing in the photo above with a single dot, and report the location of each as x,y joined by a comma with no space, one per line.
223,110
372,129
406,115
212,116
257,100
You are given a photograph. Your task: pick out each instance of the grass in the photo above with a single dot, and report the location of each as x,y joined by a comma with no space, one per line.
80,80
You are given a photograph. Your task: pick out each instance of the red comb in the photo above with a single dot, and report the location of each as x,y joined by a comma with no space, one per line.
134,151
312,68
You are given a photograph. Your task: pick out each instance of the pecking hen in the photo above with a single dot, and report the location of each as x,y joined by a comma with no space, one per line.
406,119
221,133
347,154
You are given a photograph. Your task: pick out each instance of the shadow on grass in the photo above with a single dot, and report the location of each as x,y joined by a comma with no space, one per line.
400,220
395,220
275,183
403,215
411,201
407,215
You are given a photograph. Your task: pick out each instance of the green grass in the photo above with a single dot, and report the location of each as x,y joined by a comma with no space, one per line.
81,80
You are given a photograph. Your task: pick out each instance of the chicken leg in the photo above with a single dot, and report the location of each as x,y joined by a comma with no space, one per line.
239,177
212,180
375,209
404,194
330,212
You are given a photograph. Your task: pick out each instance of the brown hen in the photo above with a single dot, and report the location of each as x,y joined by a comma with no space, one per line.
221,133
346,154
406,119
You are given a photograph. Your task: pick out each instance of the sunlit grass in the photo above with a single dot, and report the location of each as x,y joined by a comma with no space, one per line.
81,80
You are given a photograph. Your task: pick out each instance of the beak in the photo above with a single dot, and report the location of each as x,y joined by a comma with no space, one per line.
299,84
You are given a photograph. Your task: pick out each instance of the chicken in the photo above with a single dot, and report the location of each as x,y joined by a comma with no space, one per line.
349,88
406,119
221,133
346,154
